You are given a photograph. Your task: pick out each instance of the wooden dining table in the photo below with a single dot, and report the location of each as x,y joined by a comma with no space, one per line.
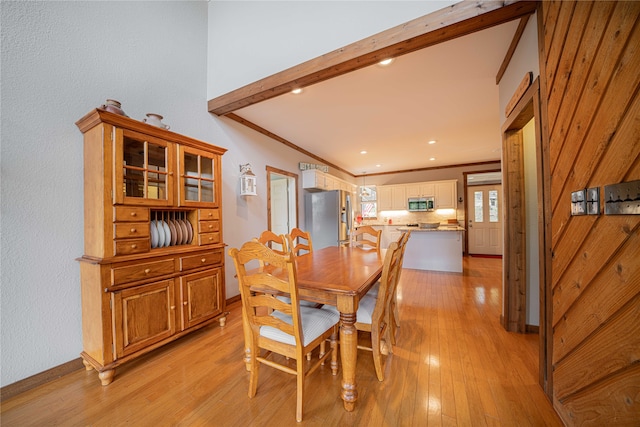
340,276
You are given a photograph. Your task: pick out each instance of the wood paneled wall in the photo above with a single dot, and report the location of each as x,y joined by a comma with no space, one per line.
591,67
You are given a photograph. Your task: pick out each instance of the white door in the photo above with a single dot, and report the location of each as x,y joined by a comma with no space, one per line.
485,219
279,206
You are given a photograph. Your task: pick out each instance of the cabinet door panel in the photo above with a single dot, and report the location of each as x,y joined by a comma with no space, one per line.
143,316
199,172
446,195
144,169
200,297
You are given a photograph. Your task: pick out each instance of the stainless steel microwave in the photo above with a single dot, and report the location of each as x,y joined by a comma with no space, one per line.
421,204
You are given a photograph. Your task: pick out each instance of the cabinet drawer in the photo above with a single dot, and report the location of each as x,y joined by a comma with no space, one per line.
135,272
132,246
130,230
131,214
202,260
208,226
208,238
208,214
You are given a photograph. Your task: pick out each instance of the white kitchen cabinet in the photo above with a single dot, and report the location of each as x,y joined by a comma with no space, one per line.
420,189
385,201
446,194
316,180
313,179
398,197
392,197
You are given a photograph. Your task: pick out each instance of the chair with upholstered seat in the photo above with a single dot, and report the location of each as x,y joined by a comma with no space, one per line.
274,326
372,315
300,242
366,236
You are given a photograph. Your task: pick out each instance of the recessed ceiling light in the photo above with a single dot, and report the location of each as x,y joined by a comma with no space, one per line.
433,141
297,91
363,152
378,166
385,62
432,158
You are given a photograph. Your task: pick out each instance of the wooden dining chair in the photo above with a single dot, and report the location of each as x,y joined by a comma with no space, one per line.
277,242
300,242
366,236
393,311
372,315
274,326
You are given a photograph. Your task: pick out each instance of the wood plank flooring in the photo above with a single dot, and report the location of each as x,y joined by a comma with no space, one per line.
453,365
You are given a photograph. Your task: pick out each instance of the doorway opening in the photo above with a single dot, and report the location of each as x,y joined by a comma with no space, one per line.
526,261
483,213
282,200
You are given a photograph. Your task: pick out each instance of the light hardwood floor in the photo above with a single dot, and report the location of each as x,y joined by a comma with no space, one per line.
453,365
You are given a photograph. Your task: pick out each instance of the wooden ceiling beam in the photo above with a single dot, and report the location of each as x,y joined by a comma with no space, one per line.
445,24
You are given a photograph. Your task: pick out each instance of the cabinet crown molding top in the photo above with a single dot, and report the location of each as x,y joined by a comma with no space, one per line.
98,115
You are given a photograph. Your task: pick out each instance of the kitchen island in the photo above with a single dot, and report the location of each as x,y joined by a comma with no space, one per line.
438,249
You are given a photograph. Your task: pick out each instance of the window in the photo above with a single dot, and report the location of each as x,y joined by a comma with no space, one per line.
369,201
478,206
493,206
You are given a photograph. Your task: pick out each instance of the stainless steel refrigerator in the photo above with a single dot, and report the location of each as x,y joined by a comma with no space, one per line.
328,217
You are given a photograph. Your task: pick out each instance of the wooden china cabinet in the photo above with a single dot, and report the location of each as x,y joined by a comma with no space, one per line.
153,263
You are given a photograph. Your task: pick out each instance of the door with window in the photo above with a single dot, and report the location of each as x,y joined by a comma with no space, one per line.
485,219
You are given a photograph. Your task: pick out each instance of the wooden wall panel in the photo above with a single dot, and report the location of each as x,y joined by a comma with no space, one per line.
566,63
591,60
612,402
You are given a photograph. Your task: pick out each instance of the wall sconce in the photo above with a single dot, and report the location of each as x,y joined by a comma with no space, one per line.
247,181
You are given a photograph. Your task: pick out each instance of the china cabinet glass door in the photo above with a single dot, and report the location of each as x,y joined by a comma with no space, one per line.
144,169
198,186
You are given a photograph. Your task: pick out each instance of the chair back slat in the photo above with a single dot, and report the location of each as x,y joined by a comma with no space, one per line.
366,236
277,242
387,281
300,242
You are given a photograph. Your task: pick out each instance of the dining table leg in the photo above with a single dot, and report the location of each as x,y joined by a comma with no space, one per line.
348,351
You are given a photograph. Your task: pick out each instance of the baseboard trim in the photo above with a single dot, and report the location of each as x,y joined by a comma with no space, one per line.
532,329
233,299
36,380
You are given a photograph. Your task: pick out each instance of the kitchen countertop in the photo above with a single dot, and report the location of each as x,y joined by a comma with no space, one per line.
441,228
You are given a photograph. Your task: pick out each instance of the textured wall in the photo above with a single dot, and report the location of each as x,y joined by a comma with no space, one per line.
59,60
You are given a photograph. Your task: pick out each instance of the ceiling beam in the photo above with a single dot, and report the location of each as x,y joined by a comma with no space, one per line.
445,24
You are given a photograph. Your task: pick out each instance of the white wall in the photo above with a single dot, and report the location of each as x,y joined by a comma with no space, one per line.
61,59
525,59
250,40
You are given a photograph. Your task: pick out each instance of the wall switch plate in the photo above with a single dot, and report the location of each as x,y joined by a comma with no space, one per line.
622,198
579,202
593,201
